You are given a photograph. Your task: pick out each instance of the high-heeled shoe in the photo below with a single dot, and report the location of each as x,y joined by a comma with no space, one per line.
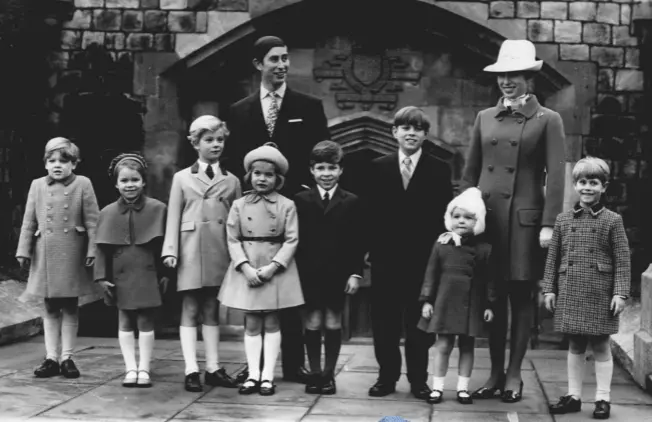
511,396
489,393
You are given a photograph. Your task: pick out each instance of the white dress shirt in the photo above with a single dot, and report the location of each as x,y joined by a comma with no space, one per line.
323,191
203,166
414,158
266,99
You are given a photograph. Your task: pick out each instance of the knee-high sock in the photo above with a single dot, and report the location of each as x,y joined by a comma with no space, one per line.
603,373
52,334
145,348
575,374
253,347
188,336
313,348
128,347
438,383
332,346
211,335
463,383
69,326
271,347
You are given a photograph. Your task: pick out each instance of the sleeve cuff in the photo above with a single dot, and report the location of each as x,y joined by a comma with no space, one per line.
356,276
550,294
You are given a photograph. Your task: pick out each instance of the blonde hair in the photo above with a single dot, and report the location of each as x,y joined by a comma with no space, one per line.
68,150
280,178
203,124
591,168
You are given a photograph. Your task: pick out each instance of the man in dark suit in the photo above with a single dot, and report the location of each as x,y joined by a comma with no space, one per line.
295,122
408,193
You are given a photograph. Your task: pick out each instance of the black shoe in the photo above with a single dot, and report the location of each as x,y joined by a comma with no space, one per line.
267,388
193,383
329,388
314,384
68,369
435,397
301,375
496,391
463,397
242,375
220,378
47,369
566,404
382,389
511,396
602,410
421,391
250,386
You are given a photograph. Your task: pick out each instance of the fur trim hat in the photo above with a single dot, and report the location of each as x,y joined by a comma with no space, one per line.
270,153
471,200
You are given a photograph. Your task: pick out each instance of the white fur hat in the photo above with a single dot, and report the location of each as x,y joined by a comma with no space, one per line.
268,152
516,56
470,200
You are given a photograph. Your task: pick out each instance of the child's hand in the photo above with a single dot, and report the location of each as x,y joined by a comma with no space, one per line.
427,310
545,236
252,276
617,305
24,262
170,262
352,285
488,315
163,285
266,272
90,261
107,286
549,300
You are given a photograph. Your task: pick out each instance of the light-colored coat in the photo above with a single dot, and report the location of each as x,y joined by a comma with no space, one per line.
265,218
509,157
58,235
195,233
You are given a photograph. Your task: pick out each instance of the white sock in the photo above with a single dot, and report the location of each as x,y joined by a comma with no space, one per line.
575,374
211,334
128,347
69,327
253,346
145,348
188,336
52,335
462,383
603,373
272,345
438,383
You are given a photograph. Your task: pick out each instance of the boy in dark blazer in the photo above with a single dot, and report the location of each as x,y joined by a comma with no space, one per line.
408,193
330,258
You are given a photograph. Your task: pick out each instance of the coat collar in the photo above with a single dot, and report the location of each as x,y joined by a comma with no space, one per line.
67,181
595,210
253,197
528,110
137,205
200,175
338,197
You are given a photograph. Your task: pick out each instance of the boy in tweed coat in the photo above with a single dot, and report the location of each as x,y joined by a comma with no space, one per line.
586,283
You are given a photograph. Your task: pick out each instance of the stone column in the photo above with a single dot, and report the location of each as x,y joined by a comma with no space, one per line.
643,338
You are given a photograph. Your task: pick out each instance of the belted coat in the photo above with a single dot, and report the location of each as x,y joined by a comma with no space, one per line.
510,158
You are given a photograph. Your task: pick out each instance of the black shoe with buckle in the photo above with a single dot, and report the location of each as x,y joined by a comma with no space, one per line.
49,368
220,378
602,410
267,388
250,386
484,393
193,383
464,397
314,384
511,396
435,397
242,376
68,369
566,404
328,387
382,389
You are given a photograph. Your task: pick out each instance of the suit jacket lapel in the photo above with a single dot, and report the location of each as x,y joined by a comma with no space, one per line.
394,172
287,106
316,198
335,200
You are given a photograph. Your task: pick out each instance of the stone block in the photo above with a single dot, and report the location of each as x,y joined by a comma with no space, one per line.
582,11
182,22
174,4
501,9
202,22
456,125
80,4
92,37
115,41
233,5
605,79
642,355
629,80
139,42
156,20
633,58
513,29
528,9
554,10
646,301
218,24
608,13
149,4
164,42
107,20
132,20
81,19
58,60
625,14
608,56
621,36
579,52
596,33
540,30
70,40
568,32
122,4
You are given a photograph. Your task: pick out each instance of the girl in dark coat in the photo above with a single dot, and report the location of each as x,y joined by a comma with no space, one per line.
458,290
128,265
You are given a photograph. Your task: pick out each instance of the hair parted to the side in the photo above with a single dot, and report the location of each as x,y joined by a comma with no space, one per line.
326,152
203,124
591,168
264,44
130,160
67,149
280,177
412,116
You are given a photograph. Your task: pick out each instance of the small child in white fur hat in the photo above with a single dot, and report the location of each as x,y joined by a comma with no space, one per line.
458,290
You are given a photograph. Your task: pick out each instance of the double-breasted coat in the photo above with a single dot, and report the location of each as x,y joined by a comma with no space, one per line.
588,264
331,247
195,233
58,234
262,229
511,156
459,283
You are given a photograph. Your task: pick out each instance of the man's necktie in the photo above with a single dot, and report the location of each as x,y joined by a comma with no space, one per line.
272,113
406,172
326,200
209,172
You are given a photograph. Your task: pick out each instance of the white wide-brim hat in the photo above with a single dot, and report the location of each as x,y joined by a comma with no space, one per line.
515,56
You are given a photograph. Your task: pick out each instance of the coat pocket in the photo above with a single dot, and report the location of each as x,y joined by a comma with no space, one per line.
80,230
187,226
530,217
605,268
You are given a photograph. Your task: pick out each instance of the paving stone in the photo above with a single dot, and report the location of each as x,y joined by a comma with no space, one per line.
81,19
287,394
107,19
540,30
555,371
633,58
19,411
238,412
95,369
488,417
629,80
233,5
625,14
379,408
574,52
339,418
122,4
89,3
621,36
501,9
608,56
173,371
34,393
596,33
226,355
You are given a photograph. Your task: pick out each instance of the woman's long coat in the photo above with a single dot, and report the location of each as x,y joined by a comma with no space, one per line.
58,235
511,157
588,263
195,232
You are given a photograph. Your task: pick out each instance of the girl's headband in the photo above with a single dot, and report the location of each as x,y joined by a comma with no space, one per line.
123,158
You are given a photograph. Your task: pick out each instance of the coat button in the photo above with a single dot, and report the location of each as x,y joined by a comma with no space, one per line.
65,218
65,193
494,142
513,143
65,205
500,119
65,230
49,231
486,195
490,167
593,230
573,229
249,218
49,207
220,221
510,169
507,195
591,266
273,217
51,194
591,250
220,199
273,230
570,263
49,220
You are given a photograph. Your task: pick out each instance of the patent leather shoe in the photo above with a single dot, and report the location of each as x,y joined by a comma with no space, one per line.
382,389
566,404
435,397
301,375
192,383
267,388
49,368
511,396
69,369
421,391
220,378
464,397
602,410
484,393
314,384
242,375
328,387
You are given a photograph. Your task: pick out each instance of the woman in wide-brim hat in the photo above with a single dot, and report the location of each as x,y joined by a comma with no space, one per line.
517,147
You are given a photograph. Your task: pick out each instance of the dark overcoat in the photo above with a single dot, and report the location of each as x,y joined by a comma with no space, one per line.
331,248
510,158
588,263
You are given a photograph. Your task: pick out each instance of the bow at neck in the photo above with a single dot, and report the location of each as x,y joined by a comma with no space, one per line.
125,206
445,238
254,196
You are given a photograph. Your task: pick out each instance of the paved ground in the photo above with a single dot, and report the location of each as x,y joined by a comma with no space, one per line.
98,395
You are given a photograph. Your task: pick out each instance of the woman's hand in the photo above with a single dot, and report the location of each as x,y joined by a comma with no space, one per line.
163,285
617,305
427,310
488,315
24,262
550,301
352,285
170,262
545,236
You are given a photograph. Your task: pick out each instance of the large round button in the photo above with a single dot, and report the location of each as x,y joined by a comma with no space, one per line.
570,263
65,230
573,229
510,169
65,218
490,167
513,143
507,195
65,205
220,221
494,142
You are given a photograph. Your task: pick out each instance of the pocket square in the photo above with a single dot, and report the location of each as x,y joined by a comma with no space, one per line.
295,120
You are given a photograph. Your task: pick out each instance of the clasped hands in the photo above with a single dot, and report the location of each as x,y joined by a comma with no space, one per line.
256,277
427,310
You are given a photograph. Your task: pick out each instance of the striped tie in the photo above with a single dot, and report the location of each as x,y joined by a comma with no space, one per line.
406,172
272,113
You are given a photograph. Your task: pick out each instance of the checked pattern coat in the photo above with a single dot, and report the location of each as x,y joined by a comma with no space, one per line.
588,263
